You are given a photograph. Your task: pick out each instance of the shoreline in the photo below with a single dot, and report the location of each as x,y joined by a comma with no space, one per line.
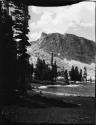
83,90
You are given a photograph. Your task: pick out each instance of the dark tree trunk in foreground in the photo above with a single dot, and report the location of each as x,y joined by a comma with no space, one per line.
13,57
7,55
8,49
21,16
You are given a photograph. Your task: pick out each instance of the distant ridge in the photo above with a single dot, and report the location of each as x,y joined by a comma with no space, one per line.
68,46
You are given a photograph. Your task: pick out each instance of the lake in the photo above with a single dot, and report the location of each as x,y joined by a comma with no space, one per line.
87,90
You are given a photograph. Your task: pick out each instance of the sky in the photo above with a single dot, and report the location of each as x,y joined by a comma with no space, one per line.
78,19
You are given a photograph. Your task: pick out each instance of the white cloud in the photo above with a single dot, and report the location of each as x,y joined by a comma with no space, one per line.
34,36
35,10
87,24
61,19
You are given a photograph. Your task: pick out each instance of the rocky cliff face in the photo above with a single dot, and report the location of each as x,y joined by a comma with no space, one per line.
68,46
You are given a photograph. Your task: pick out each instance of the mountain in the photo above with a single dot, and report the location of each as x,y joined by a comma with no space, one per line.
68,50
69,46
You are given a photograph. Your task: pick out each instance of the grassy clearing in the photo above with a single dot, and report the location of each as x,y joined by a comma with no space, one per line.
53,114
30,111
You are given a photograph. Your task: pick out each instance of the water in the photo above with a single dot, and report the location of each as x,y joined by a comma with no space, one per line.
70,90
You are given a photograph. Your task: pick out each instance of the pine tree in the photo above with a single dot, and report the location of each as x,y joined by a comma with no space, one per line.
21,16
80,75
38,69
31,69
76,74
8,48
72,74
54,72
66,75
85,74
42,71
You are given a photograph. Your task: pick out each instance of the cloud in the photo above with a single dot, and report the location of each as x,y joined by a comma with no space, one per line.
34,36
61,19
87,24
35,10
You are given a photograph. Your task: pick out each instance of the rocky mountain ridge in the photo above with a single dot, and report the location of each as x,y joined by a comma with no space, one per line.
68,46
68,50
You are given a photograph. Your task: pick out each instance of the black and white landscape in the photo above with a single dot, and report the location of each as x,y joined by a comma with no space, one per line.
47,63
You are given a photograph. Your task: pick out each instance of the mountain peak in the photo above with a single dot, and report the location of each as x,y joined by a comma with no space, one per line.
43,34
69,46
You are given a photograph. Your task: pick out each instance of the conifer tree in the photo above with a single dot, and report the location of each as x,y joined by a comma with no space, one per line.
8,48
72,74
76,74
38,69
42,71
21,16
85,74
80,76
66,75
54,72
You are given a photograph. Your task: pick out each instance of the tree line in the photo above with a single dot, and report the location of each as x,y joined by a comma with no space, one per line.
76,75
42,71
